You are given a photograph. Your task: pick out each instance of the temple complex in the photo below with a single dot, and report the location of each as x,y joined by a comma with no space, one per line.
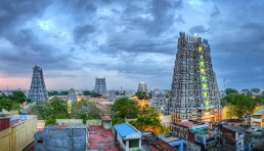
100,85
38,92
194,91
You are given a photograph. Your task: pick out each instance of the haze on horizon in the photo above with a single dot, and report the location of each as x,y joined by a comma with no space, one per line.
127,41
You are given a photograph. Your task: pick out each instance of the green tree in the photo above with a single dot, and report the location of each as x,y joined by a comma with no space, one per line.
150,121
141,95
84,117
126,108
50,121
230,90
28,100
15,106
117,120
93,94
18,96
54,109
57,107
255,90
76,108
53,93
94,112
86,93
239,106
150,94
6,104
260,99
63,93
167,93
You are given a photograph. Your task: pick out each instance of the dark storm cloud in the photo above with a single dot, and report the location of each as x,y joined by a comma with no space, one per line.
13,13
215,12
198,29
81,32
162,16
126,32
138,47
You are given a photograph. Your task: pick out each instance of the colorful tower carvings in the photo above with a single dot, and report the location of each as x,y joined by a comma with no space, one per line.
38,92
194,91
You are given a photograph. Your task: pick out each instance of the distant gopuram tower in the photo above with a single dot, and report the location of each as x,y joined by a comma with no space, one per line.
194,91
100,85
158,100
38,92
142,87
71,95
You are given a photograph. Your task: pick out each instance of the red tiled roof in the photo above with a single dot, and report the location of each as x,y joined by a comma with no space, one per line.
100,138
106,118
187,123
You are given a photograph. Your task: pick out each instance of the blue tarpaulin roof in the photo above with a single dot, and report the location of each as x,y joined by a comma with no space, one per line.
124,129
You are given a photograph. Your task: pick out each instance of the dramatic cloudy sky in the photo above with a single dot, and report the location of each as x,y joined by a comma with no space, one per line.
127,41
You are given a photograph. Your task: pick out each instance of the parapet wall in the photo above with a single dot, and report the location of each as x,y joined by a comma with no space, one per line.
17,137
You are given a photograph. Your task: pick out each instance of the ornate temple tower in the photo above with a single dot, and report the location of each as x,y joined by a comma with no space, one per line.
142,87
71,95
38,92
158,100
194,91
100,85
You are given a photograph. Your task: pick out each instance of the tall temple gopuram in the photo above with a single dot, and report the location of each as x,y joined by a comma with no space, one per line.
100,85
71,95
194,91
142,87
38,92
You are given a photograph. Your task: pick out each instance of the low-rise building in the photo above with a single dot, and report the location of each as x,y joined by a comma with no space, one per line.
153,142
257,119
128,137
101,136
256,135
205,137
19,134
62,138
233,137
196,135
259,147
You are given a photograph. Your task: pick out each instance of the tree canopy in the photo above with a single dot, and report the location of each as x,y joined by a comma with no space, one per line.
255,90
141,95
54,109
150,120
86,92
126,108
237,105
230,90
18,96
5,103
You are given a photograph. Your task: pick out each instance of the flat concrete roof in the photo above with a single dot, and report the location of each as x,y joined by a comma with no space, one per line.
101,139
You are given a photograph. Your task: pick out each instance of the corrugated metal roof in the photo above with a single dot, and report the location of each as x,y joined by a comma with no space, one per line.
124,129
